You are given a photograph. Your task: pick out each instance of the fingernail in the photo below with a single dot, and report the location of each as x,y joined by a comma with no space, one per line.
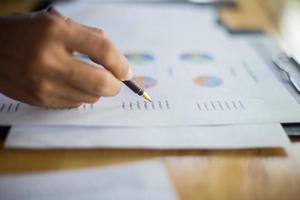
129,74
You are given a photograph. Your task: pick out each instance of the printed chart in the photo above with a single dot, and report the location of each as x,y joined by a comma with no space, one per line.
208,81
145,81
139,58
196,58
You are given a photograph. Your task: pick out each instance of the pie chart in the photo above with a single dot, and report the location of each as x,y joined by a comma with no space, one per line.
208,81
139,58
196,57
145,81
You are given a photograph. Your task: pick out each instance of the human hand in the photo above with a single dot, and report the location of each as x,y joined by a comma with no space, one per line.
37,64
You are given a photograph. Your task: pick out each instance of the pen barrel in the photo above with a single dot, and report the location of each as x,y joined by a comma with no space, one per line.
134,87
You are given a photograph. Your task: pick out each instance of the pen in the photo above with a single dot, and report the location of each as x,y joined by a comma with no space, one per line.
137,89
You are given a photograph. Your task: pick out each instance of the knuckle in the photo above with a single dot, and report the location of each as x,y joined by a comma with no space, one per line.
40,91
40,59
39,66
106,45
40,88
100,32
32,75
53,24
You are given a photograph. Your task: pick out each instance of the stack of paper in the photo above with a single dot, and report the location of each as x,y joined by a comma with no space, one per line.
204,137
209,90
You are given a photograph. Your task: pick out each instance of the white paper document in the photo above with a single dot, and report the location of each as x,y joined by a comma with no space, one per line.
204,137
140,181
194,73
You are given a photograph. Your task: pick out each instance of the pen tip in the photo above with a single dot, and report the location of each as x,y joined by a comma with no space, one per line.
147,97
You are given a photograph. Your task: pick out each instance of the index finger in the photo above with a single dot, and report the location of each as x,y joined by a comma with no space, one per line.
99,48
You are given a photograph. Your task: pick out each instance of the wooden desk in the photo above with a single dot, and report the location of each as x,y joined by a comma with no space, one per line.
247,174
209,175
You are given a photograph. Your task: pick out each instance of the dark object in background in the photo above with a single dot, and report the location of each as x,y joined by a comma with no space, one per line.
41,5
4,132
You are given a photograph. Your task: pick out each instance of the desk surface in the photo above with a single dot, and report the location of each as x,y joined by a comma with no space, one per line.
247,174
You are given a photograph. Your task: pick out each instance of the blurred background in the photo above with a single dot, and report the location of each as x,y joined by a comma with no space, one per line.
279,18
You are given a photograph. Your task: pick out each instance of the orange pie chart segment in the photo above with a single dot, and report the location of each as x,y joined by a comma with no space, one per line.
208,81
